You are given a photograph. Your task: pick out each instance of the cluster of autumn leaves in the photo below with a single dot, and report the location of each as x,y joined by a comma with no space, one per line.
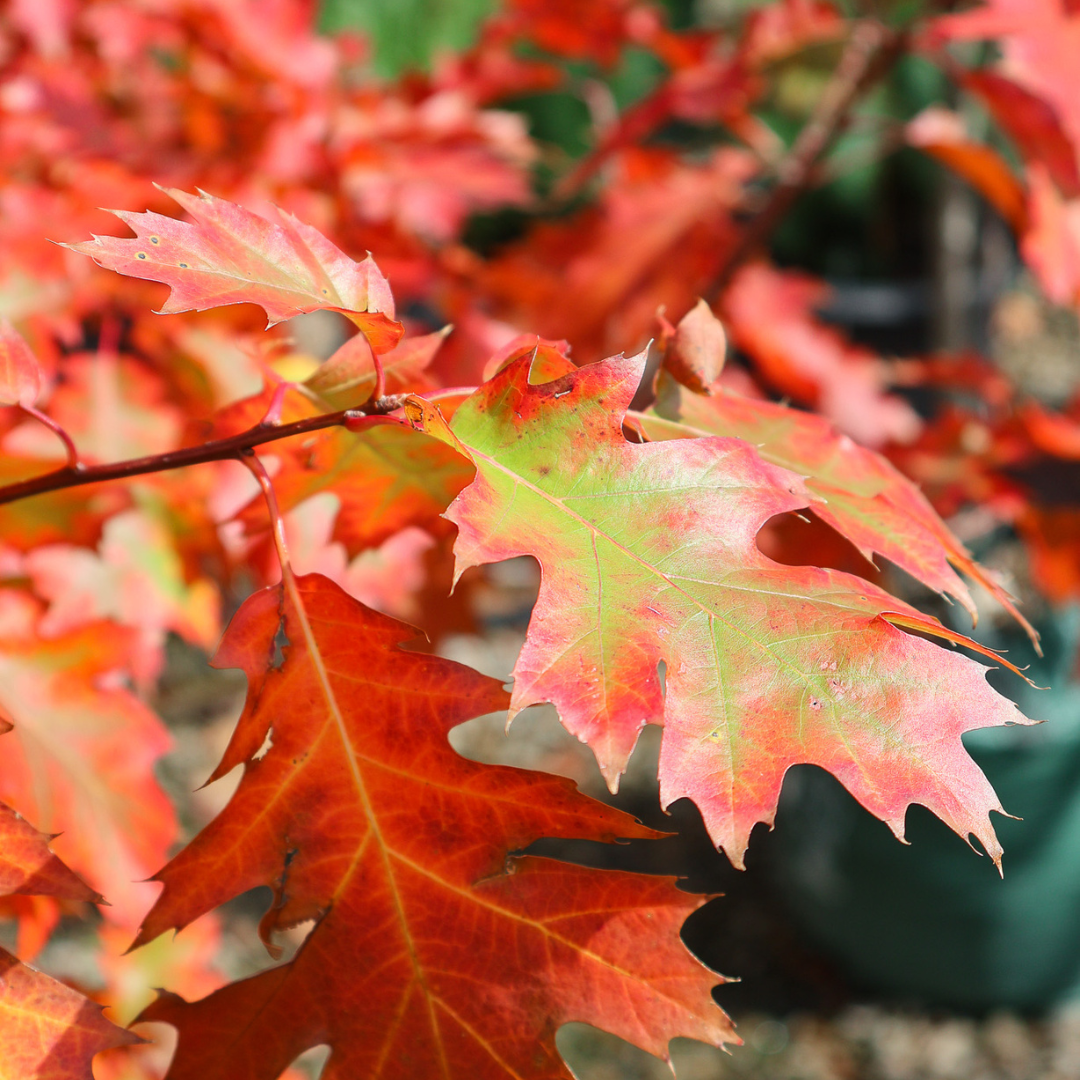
435,950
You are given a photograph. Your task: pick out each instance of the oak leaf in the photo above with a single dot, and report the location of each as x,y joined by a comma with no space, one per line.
48,1030
29,868
855,490
431,954
648,555
229,255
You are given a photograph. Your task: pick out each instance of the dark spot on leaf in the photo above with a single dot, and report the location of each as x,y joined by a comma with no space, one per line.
140,255
155,239
183,266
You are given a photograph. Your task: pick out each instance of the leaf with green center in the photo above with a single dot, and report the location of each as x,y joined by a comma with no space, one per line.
432,955
229,255
648,554
853,489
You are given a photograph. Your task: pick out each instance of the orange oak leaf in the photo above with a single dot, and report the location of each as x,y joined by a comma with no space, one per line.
229,255
29,868
386,477
648,556
47,1030
431,954
20,374
853,489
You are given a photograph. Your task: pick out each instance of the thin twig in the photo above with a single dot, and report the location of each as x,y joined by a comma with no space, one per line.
217,450
258,470
871,51
73,463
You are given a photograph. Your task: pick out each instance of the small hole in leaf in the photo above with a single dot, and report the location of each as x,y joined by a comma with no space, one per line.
183,266
141,255
155,239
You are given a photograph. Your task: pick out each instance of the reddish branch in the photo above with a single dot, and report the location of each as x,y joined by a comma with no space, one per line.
870,52
234,446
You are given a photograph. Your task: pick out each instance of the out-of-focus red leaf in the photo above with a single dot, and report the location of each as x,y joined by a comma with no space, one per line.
1039,41
940,133
80,759
1051,246
1052,537
770,315
1031,122
20,374
1053,433
777,30
135,578
596,280
112,406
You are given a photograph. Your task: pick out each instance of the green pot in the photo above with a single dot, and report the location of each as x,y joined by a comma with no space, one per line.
933,920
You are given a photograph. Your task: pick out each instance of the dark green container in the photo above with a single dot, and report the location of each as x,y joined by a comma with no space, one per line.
933,921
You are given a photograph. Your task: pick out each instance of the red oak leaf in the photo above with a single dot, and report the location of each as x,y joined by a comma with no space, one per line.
648,556
29,868
230,255
48,1030
855,490
431,955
